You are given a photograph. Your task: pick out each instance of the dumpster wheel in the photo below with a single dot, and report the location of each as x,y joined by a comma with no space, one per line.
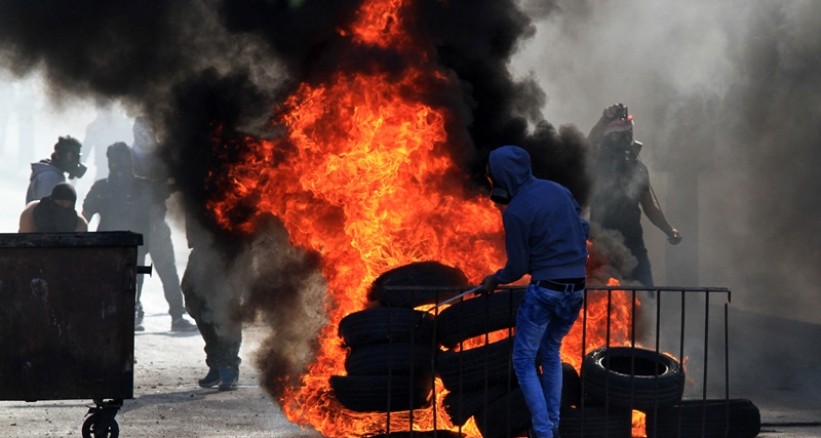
100,422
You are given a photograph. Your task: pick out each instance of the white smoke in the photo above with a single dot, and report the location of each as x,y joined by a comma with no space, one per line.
689,73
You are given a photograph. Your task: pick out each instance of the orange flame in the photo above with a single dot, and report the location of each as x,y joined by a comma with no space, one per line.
362,177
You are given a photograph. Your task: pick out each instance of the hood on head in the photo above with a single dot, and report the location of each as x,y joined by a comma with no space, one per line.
43,166
510,167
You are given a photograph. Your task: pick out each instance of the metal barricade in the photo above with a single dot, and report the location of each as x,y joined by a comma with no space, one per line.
679,323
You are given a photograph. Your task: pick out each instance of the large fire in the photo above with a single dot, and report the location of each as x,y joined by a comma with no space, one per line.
361,176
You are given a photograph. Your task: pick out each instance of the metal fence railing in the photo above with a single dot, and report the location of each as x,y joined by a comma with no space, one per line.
632,350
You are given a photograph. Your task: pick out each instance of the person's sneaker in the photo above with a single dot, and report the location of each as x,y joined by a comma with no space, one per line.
228,378
138,326
182,325
211,379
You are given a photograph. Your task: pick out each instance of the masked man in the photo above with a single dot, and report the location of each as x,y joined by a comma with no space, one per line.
46,173
622,188
546,237
54,213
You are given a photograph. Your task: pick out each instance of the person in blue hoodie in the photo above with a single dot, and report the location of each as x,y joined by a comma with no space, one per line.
546,237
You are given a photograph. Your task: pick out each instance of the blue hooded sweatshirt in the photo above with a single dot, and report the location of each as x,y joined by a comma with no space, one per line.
545,235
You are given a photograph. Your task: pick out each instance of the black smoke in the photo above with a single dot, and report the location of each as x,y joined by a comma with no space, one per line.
207,73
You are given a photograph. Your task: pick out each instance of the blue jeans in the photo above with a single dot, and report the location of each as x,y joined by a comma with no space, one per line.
544,318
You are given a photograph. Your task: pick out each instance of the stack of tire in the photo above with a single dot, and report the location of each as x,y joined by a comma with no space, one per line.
477,378
389,365
634,378
480,381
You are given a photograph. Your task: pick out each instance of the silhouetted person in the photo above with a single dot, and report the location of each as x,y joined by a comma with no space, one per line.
126,202
622,188
46,173
107,127
214,302
54,213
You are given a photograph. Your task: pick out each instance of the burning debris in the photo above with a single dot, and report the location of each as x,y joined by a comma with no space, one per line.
379,114
332,138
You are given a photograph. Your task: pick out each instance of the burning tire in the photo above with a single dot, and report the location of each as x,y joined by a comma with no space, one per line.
571,386
477,368
420,434
735,418
510,416
382,325
595,422
393,358
382,393
632,377
476,316
461,405
423,274
507,416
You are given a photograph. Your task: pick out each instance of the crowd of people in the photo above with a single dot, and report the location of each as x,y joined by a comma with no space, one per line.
132,196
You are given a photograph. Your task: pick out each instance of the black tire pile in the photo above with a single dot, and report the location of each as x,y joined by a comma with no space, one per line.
653,383
482,384
395,352
391,346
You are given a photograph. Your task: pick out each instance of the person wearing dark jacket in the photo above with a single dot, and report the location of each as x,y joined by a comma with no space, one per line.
546,237
47,173
54,213
126,201
213,300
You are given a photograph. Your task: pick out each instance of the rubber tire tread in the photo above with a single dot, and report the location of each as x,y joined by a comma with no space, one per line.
371,393
460,406
476,316
426,274
613,422
466,370
392,358
744,419
571,386
639,391
382,324
507,416
420,434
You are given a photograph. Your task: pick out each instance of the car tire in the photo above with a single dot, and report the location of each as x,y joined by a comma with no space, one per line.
381,325
632,377
437,282
476,316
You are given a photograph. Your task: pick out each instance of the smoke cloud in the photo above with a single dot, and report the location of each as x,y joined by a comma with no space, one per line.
726,99
208,73
725,96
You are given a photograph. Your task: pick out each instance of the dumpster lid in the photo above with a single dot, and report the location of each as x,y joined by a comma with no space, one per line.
98,238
